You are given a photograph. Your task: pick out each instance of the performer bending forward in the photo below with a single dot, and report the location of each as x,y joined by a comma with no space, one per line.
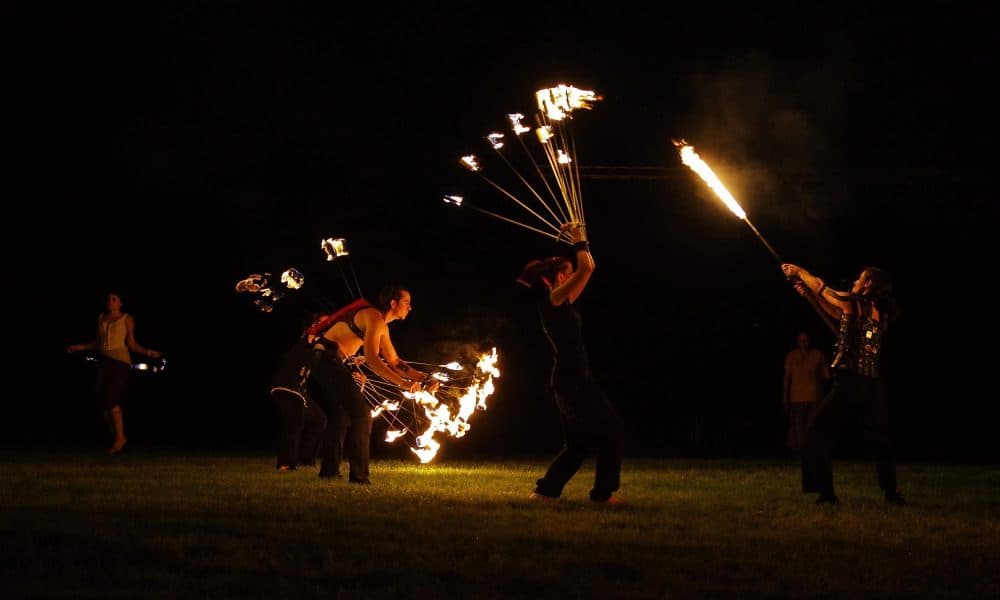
335,339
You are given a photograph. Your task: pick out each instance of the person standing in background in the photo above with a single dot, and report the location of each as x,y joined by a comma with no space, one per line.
115,339
805,371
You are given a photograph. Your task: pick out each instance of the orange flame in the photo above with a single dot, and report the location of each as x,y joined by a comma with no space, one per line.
690,158
440,416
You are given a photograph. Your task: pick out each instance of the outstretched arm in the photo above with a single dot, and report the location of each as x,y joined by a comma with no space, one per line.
376,332
831,301
388,353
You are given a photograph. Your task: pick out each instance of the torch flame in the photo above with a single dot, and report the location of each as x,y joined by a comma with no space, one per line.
515,123
495,140
470,162
690,158
292,279
334,248
558,102
544,133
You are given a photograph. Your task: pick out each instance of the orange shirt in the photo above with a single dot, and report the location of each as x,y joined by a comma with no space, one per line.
804,368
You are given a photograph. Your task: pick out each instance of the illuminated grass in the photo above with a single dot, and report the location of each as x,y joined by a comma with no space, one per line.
197,525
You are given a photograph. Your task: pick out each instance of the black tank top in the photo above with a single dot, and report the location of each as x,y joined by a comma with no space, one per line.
564,329
349,320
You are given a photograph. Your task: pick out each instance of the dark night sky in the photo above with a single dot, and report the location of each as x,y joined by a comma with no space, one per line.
192,146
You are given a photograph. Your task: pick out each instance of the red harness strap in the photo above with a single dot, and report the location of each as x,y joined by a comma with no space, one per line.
319,327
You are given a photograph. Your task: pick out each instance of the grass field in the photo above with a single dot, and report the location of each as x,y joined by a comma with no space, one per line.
198,525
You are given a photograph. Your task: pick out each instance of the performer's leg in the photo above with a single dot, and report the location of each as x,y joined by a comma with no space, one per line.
565,464
359,445
323,380
116,376
876,430
576,444
314,425
610,445
118,421
291,414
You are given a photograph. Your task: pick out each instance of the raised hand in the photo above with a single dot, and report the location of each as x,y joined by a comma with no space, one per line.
577,232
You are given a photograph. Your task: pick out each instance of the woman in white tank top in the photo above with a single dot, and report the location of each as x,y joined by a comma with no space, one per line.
114,340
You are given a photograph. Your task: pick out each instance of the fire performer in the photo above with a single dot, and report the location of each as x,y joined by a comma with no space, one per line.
589,421
334,340
864,315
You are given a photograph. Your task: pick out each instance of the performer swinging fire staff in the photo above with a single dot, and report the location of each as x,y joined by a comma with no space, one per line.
864,314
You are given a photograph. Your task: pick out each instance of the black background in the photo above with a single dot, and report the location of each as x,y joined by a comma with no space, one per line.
169,154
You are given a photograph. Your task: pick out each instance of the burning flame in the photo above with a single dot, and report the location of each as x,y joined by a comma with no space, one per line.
544,133
515,123
292,279
456,200
258,283
495,140
558,102
441,416
252,283
690,158
334,248
470,162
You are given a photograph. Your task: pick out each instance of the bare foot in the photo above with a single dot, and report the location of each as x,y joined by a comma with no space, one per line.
117,445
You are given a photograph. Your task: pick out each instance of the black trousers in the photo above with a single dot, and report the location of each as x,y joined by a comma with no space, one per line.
852,396
301,420
300,433
339,396
590,426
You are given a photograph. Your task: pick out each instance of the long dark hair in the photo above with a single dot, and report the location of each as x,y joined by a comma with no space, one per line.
388,294
542,270
880,293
